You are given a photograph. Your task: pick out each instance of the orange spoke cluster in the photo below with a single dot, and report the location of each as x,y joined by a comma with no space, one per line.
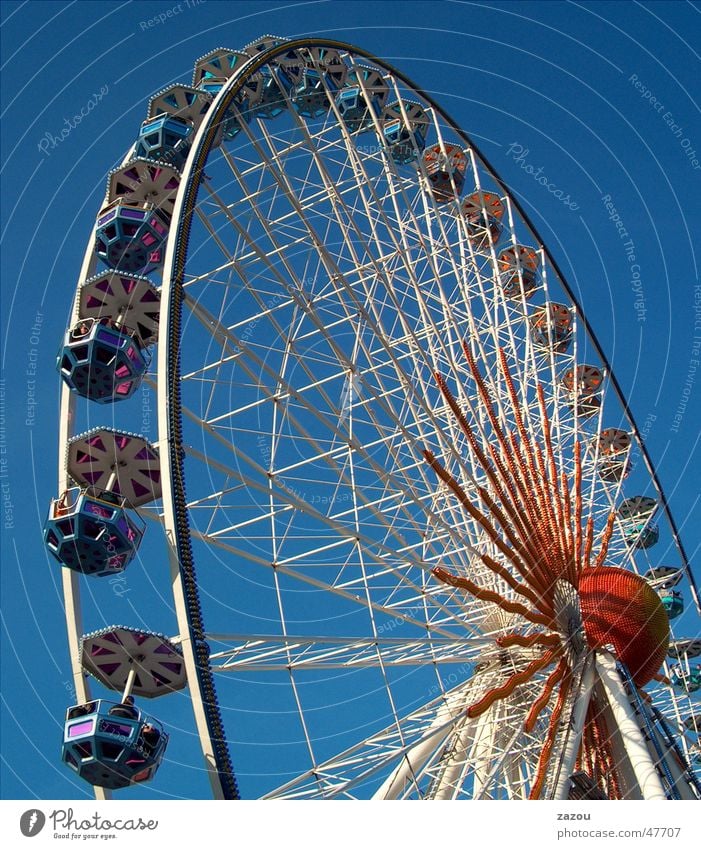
597,753
546,751
484,594
539,704
479,707
533,515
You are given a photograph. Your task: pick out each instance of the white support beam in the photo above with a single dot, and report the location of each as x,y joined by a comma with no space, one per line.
576,727
414,759
647,777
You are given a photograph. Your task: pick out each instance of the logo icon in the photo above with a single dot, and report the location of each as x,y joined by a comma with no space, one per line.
31,822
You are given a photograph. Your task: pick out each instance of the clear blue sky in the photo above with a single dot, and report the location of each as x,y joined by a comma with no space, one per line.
553,82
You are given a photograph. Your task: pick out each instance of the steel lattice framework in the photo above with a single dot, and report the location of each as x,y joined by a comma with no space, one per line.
317,301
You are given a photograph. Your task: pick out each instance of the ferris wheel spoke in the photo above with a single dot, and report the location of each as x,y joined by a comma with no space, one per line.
348,534
393,599
380,471
441,754
328,457
365,761
402,249
268,653
397,612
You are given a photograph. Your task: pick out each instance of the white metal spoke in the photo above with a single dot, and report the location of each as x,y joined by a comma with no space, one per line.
269,654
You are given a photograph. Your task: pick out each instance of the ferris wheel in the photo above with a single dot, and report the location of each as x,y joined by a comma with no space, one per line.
392,460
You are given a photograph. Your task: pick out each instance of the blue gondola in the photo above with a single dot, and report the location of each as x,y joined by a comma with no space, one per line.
641,535
112,745
130,237
272,100
92,531
406,139
309,95
166,139
102,361
689,681
673,602
364,86
232,123
276,79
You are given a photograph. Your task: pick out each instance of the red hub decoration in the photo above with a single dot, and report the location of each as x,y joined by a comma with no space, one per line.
620,608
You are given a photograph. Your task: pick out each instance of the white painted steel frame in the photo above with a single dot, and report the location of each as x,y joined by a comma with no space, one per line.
405,227
274,165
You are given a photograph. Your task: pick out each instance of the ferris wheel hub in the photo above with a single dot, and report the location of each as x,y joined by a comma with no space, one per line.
621,609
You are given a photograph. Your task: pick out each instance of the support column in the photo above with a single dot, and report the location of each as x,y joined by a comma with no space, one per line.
643,766
579,713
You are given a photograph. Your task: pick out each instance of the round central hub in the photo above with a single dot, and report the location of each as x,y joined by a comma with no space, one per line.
621,609
566,604
568,616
